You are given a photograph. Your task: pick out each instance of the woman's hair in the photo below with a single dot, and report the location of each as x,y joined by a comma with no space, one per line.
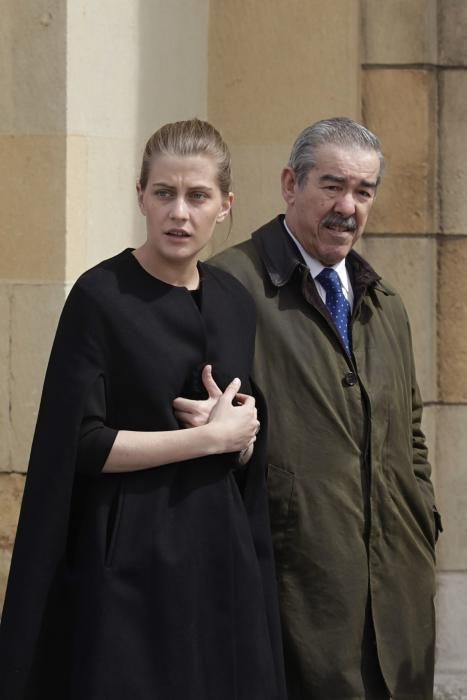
192,137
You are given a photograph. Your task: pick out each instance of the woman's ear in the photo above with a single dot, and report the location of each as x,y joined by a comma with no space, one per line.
140,195
226,207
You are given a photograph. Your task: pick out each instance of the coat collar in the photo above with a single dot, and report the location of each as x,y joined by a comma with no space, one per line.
281,258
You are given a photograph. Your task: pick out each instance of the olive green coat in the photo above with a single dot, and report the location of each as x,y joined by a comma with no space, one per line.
351,501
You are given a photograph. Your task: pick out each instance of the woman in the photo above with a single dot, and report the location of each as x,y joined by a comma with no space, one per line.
142,566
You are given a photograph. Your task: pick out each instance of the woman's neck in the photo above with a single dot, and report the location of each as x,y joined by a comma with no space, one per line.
182,274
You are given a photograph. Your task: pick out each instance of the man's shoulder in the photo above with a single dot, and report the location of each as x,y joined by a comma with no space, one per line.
247,260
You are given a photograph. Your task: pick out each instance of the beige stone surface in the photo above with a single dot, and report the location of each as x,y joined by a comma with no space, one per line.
5,319
173,62
256,172
34,314
154,71
276,67
102,67
398,31
451,449
409,265
11,492
76,205
32,66
112,217
452,320
7,107
32,204
400,107
453,32
453,160
429,427
451,604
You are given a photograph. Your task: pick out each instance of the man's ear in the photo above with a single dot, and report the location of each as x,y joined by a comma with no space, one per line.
288,184
139,195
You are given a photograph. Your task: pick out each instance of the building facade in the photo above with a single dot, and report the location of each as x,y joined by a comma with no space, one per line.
83,84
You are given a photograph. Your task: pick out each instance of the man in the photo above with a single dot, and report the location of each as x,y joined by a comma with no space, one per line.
351,502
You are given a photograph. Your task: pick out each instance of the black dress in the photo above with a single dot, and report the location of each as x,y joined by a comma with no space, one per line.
156,584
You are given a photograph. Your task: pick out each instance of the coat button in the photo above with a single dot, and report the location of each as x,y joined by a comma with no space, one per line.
350,379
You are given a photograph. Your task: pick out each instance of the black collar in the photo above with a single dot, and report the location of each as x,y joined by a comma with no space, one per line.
281,258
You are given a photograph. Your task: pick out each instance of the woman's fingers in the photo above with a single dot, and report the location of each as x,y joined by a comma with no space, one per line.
231,392
209,384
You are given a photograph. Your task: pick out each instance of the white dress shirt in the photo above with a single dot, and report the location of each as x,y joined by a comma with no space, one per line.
315,268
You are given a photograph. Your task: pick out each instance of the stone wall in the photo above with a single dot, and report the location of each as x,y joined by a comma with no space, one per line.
84,83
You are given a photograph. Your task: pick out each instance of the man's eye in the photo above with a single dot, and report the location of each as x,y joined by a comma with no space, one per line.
333,188
365,194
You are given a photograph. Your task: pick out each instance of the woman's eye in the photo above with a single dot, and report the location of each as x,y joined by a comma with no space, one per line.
163,194
199,196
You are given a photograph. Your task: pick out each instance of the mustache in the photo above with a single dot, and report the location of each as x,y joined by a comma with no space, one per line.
333,220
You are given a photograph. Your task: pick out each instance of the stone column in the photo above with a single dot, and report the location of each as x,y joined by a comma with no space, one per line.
452,343
83,85
414,97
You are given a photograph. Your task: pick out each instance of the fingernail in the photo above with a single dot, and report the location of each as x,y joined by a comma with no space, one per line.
236,381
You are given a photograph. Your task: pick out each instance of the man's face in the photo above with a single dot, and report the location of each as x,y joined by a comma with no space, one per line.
328,214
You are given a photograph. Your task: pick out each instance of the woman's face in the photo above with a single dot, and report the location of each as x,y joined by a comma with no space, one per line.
182,203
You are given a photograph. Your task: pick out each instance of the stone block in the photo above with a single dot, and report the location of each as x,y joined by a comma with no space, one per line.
273,70
397,31
409,265
5,321
76,205
110,198
452,320
400,107
451,604
7,103
453,161
33,72
451,451
32,202
155,72
453,33
34,314
11,492
180,90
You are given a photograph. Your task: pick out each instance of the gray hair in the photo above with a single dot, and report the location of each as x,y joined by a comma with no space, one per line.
340,131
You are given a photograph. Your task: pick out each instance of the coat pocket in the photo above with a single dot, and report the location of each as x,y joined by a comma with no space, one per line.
281,491
113,524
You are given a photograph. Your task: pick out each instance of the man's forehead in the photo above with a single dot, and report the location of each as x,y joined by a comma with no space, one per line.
342,161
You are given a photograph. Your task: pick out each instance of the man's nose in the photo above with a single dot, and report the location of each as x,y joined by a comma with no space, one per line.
345,205
179,209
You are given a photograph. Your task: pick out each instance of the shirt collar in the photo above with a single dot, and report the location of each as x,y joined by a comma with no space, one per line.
315,266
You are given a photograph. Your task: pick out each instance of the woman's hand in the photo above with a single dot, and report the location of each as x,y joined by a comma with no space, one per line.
235,417
191,413
225,422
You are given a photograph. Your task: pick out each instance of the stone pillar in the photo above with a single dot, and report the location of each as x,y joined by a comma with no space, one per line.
83,85
414,97
33,222
452,342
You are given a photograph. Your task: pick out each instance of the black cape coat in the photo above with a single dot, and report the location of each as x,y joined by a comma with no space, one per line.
152,584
